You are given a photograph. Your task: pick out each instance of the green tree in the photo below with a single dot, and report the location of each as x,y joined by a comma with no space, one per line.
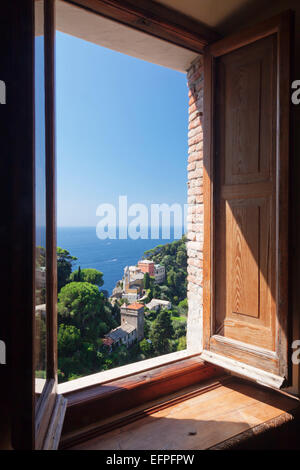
181,258
146,348
64,267
93,276
68,340
171,278
156,291
146,281
82,305
181,343
161,333
183,306
167,261
179,328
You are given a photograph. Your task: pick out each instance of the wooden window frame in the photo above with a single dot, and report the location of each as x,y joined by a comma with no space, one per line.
47,400
169,25
29,422
162,22
154,19
34,418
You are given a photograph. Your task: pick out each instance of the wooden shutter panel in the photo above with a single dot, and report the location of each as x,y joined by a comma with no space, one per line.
246,161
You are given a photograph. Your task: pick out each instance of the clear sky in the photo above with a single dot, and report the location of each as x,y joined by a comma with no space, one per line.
121,130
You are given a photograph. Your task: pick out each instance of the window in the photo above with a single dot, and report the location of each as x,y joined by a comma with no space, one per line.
216,350
122,126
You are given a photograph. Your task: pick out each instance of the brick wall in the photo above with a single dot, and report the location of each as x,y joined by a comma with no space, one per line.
195,202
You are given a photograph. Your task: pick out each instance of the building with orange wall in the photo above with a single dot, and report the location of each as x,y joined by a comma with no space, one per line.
147,266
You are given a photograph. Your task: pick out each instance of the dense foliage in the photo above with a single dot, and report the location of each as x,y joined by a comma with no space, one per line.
64,266
88,275
85,315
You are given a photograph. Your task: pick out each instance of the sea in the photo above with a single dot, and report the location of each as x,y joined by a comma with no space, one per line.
109,256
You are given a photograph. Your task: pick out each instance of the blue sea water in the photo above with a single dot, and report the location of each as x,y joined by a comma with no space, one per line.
108,256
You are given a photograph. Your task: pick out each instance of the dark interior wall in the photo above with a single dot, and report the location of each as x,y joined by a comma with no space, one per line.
16,222
5,223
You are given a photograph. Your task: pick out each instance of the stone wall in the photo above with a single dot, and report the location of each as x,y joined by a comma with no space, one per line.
195,205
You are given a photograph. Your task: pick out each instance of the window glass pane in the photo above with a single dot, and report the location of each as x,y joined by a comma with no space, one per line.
122,126
40,195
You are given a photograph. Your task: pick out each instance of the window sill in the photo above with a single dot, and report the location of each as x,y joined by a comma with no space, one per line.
221,413
101,401
101,378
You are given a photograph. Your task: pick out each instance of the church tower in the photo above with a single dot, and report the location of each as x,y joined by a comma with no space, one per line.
133,314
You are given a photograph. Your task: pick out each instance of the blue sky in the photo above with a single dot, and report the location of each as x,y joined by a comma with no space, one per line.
121,130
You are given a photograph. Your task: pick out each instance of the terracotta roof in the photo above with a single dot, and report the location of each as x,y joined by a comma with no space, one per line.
107,341
135,306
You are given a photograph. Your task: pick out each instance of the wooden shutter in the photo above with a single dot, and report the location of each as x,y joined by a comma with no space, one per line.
246,181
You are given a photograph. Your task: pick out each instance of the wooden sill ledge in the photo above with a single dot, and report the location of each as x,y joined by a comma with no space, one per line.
219,414
89,406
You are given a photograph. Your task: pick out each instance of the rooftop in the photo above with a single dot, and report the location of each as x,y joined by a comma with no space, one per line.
155,302
120,332
138,276
107,341
135,306
127,327
160,301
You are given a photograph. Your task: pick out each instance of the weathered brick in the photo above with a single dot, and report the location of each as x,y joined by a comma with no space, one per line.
191,236
195,123
195,191
195,156
195,75
194,115
195,228
195,131
191,166
196,139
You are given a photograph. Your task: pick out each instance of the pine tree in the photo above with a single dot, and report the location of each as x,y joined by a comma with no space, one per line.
146,281
161,333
